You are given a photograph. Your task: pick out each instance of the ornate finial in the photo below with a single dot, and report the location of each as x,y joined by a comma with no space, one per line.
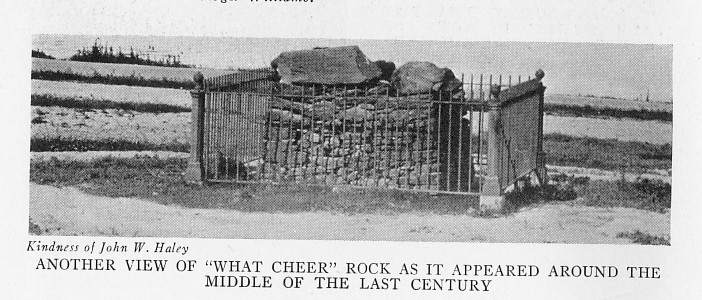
540,74
198,78
495,91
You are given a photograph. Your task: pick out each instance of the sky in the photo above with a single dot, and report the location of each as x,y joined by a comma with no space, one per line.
617,70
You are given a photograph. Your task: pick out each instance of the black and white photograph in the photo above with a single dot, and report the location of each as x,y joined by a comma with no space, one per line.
337,149
373,140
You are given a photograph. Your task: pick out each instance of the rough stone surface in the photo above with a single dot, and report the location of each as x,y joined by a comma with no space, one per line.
423,77
336,65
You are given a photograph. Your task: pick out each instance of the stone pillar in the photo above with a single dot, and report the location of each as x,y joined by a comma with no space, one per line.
194,172
491,197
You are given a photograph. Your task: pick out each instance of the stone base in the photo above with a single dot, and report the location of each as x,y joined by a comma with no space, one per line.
492,198
193,173
491,203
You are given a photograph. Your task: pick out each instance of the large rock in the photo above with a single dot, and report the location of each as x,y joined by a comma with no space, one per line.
337,65
423,77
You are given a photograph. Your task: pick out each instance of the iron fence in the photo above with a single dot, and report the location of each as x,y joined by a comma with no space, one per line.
248,127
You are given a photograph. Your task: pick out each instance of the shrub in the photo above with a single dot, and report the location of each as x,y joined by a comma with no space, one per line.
529,194
643,193
638,237
38,120
34,228
40,54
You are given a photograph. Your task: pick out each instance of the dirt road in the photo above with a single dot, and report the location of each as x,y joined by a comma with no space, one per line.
68,211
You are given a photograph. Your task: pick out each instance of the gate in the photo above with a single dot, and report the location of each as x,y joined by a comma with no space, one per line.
477,139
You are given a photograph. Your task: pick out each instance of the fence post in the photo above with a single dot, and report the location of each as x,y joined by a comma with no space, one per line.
194,172
541,155
491,198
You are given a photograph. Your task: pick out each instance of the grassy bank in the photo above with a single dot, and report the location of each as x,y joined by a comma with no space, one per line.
131,80
642,193
653,195
161,180
607,154
588,111
80,103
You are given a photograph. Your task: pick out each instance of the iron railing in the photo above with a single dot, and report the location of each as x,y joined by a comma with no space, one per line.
247,127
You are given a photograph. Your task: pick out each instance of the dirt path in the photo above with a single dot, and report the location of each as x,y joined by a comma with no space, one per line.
68,211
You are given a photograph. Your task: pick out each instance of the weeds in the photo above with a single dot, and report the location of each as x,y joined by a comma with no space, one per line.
97,104
38,120
528,194
653,195
57,144
34,228
638,237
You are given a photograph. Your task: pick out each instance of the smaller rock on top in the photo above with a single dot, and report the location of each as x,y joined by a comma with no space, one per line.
423,77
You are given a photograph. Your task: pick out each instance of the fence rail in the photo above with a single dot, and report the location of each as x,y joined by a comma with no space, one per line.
248,127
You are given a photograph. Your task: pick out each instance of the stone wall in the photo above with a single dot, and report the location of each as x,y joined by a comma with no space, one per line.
402,142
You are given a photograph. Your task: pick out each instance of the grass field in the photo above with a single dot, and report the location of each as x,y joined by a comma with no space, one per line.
48,100
86,126
131,80
161,180
588,111
622,104
115,93
122,70
607,154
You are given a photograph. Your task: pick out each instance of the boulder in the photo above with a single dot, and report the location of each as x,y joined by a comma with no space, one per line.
423,77
335,66
386,69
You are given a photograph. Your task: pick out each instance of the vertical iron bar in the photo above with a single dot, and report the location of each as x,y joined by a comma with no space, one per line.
289,161
227,134
438,145
480,132
428,153
343,135
374,141
396,153
386,150
363,172
408,137
217,132
470,138
354,128
280,134
301,141
334,175
311,137
462,110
